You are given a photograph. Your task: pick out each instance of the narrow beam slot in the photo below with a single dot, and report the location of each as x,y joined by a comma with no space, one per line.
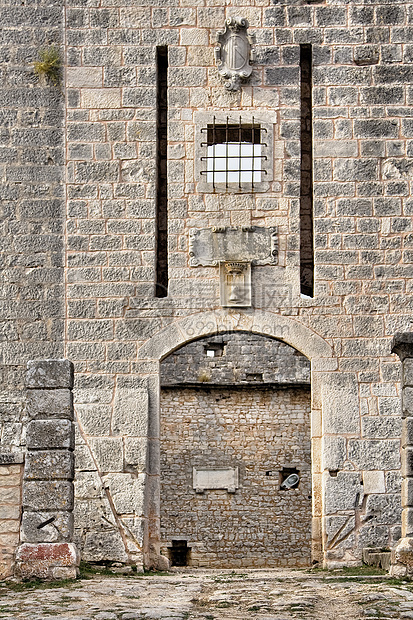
306,196
161,287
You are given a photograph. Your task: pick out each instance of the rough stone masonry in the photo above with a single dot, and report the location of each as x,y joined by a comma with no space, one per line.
111,180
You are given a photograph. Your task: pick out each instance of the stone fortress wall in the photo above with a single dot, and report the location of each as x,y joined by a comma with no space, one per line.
87,290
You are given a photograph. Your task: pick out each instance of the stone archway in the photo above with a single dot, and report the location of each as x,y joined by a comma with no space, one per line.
315,348
235,446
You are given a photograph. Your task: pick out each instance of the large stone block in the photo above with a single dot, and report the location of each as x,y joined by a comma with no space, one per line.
49,404
407,402
88,485
49,465
108,453
342,492
340,404
373,482
375,454
130,415
100,546
408,371
407,493
407,461
384,509
47,561
49,374
372,535
43,495
378,427
135,452
50,434
95,419
126,492
407,432
47,527
334,452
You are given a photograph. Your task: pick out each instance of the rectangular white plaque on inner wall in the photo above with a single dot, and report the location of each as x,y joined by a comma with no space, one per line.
217,478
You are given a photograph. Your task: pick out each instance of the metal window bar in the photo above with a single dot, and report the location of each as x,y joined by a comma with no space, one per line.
225,134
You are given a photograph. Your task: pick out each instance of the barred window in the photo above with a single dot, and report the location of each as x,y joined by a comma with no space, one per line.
233,153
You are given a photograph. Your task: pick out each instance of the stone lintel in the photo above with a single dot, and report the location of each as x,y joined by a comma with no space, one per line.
49,374
402,345
47,561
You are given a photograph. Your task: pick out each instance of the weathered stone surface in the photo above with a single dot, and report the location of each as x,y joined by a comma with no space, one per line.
92,259
341,406
333,452
407,461
381,427
49,403
51,374
407,402
373,482
45,560
42,495
384,508
135,452
126,492
49,465
48,527
130,414
11,458
342,492
374,454
50,434
108,453
106,546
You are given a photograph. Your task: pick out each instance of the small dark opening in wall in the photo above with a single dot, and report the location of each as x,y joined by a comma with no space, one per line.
253,376
214,349
289,478
179,553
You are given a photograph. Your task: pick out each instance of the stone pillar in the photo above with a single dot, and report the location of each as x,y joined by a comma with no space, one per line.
46,549
402,553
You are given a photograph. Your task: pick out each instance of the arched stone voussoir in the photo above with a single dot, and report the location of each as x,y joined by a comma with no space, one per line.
203,324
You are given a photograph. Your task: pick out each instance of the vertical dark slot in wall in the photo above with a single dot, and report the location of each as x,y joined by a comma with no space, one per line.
161,287
306,196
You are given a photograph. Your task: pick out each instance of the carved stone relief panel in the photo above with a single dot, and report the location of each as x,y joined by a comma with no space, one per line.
235,284
217,478
233,52
210,246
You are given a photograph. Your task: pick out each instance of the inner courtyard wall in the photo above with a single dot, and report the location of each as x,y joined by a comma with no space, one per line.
362,129
258,431
362,157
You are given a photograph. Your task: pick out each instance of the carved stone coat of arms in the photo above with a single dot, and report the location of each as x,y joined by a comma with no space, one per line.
234,52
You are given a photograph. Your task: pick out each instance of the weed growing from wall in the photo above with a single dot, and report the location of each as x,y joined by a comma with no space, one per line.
49,65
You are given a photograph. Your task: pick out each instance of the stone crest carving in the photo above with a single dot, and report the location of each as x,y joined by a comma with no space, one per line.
234,52
235,284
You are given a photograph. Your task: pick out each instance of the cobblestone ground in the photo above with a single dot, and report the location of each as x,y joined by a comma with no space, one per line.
214,595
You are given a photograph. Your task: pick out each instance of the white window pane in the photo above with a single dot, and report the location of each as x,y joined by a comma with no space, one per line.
234,162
